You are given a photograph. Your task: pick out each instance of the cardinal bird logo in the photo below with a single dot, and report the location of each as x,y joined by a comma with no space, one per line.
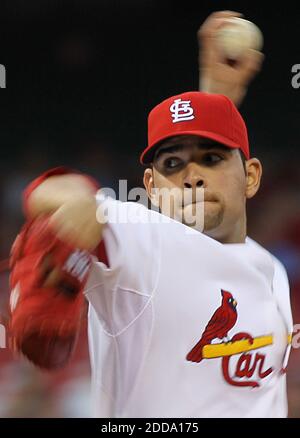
219,325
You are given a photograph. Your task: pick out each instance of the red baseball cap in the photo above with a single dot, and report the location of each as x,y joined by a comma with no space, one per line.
211,116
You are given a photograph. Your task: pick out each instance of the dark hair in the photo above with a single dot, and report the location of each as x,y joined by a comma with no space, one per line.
244,159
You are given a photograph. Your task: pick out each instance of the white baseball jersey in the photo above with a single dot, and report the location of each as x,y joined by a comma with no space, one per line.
168,290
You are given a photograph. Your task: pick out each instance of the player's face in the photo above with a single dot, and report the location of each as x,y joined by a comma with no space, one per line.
216,179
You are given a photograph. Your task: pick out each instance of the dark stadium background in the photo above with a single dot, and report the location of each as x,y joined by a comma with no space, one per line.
81,77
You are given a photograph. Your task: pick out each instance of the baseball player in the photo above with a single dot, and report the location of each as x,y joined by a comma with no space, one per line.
187,318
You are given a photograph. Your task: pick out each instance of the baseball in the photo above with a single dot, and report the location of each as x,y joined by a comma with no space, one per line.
238,35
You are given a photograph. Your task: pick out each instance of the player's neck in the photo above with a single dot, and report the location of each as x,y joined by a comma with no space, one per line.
235,234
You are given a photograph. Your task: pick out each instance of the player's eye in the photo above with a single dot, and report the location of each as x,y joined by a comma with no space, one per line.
172,163
212,158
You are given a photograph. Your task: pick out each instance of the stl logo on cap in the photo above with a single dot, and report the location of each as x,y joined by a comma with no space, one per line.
181,110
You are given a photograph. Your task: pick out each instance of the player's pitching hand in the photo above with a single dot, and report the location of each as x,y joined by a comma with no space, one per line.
219,75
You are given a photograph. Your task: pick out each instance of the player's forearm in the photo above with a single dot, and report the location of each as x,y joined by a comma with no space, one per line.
70,199
55,191
75,222
234,92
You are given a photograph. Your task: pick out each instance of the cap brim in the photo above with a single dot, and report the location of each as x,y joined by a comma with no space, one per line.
148,154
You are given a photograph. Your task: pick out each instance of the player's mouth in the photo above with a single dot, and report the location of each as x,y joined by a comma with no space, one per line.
207,198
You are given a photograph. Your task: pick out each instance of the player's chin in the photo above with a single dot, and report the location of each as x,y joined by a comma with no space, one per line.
201,215
213,217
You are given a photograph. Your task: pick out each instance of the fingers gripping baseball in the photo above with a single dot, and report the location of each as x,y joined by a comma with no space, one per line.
229,54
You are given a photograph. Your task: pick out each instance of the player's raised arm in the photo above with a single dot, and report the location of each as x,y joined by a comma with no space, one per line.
217,73
50,263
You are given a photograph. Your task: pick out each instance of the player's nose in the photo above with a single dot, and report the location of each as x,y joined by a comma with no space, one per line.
193,179
194,183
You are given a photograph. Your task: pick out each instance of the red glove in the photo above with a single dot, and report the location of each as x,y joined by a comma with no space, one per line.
45,319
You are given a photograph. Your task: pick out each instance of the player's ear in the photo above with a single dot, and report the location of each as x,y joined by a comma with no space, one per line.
149,185
253,176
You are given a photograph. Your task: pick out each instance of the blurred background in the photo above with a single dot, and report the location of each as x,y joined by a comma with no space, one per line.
81,77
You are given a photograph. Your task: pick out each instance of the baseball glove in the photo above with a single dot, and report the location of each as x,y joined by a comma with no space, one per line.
46,301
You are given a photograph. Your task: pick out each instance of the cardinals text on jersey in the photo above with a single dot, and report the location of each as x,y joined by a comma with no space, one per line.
181,325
